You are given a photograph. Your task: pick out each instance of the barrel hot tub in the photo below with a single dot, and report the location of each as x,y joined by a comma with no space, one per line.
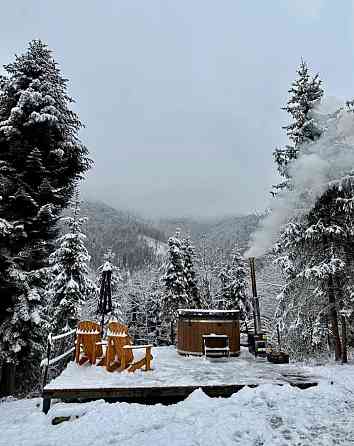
193,324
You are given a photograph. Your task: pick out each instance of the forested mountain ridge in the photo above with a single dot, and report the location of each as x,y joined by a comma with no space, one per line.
137,241
220,233
133,240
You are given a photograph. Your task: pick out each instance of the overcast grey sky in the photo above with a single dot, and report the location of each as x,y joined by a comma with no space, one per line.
181,99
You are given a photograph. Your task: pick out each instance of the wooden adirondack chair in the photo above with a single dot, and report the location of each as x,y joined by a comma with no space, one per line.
88,342
119,354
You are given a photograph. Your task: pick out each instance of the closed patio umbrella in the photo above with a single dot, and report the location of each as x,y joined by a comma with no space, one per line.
105,301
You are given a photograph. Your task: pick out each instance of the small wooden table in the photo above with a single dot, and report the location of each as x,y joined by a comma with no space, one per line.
216,345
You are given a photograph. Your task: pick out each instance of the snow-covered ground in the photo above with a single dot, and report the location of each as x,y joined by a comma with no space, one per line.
269,415
171,369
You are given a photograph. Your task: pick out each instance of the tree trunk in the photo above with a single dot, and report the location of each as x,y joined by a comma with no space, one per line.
344,340
7,381
334,320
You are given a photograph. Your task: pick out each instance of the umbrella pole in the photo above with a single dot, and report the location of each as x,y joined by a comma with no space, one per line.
102,325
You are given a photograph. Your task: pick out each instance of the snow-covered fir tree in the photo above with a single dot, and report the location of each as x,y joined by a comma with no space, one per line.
71,284
24,331
304,94
174,279
192,290
41,158
234,286
316,248
181,290
40,149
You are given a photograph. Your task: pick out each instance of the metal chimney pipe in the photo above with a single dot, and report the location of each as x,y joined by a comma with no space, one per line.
256,312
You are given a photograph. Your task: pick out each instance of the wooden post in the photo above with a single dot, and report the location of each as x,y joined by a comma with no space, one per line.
46,369
148,359
172,334
46,405
344,339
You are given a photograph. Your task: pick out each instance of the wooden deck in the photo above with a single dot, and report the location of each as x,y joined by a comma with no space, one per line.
173,378
152,395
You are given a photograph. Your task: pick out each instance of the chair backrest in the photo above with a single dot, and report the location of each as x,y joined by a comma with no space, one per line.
88,334
116,328
118,334
88,327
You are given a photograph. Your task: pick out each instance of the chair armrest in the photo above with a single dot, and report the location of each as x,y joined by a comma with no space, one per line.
134,347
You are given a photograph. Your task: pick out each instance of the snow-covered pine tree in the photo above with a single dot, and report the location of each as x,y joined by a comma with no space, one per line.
41,158
22,334
109,265
316,252
233,278
40,146
192,290
22,327
71,285
305,93
174,279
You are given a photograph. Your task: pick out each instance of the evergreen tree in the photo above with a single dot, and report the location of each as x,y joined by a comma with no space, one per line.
40,147
233,278
179,280
23,331
41,159
316,253
174,279
305,93
190,274
21,320
71,284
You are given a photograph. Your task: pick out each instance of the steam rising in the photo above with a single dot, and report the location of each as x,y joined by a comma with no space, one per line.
326,160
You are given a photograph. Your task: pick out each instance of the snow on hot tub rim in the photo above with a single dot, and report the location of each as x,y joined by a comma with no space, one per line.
207,312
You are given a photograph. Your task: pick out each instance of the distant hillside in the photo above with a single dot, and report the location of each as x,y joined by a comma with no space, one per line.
221,233
137,241
134,240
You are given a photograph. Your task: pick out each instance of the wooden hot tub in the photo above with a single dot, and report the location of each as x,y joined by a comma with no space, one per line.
193,324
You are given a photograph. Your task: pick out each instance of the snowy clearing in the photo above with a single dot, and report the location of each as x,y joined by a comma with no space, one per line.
267,415
175,370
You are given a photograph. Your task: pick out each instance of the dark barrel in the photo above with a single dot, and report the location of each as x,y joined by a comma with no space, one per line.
193,324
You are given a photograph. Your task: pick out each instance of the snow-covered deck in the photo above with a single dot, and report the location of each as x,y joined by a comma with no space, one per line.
173,379
171,369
